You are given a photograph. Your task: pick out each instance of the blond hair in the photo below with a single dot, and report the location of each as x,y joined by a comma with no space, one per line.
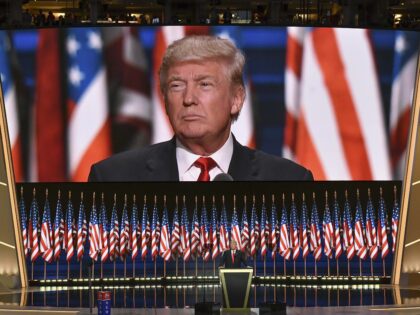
202,47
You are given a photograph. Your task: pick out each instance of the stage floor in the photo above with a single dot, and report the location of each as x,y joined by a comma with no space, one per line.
320,300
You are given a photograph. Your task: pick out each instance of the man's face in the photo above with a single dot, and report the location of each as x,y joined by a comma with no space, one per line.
233,245
200,101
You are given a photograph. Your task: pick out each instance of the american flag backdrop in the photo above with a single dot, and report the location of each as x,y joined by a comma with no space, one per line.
356,122
94,234
394,221
315,243
235,230
133,231
304,224
214,230
334,121
80,231
87,103
359,231
274,233
58,229
348,237
23,224
328,230
244,230
284,247
46,245
33,229
294,230
114,234
155,237
224,235
195,234
104,231
382,229
371,235
165,246
11,105
185,233
337,234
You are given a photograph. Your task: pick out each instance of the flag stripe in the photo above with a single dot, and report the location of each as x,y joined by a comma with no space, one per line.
334,75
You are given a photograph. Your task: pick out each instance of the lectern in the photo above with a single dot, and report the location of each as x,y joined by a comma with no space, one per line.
236,284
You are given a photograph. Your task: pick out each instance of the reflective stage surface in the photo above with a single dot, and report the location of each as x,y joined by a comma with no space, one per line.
181,299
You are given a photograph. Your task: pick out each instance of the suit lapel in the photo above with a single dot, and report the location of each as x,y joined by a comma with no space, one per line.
162,166
243,166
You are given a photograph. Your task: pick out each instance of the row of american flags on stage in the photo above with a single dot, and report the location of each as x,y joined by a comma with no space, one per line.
288,228
95,93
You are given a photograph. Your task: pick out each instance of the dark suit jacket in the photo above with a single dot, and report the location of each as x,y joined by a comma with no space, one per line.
158,163
226,259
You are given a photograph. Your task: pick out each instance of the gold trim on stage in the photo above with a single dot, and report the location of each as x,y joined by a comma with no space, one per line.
407,211
9,182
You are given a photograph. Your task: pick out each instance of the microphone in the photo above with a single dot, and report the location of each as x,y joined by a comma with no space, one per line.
223,177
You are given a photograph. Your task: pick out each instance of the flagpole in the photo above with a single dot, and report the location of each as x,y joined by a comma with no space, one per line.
371,266
294,267
360,266
264,263
176,265
144,268
316,269
93,269
80,269
68,270
114,267
125,267
134,267
101,267
304,265
328,266
196,265
348,267
338,268
57,267
383,267
275,278
45,270
284,266
164,268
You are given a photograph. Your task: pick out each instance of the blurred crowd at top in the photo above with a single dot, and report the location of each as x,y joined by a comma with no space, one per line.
345,13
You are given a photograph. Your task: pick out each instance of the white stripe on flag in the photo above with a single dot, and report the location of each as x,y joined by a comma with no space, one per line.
320,118
357,57
88,118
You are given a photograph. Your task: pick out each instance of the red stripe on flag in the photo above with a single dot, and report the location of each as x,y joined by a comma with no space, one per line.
49,116
328,56
98,149
306,152
294,56
17,160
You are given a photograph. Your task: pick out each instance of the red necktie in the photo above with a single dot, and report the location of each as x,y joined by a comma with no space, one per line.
205,164
233,257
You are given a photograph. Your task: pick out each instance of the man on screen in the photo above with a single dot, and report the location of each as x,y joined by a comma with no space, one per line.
201,80
233,258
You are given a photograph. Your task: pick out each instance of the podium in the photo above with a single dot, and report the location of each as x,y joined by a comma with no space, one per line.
236,284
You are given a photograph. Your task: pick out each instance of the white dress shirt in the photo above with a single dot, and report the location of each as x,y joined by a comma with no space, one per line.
189,172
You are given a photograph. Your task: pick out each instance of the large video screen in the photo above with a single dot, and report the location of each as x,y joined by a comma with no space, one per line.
336,101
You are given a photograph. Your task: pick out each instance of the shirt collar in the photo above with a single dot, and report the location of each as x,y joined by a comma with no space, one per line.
185,158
